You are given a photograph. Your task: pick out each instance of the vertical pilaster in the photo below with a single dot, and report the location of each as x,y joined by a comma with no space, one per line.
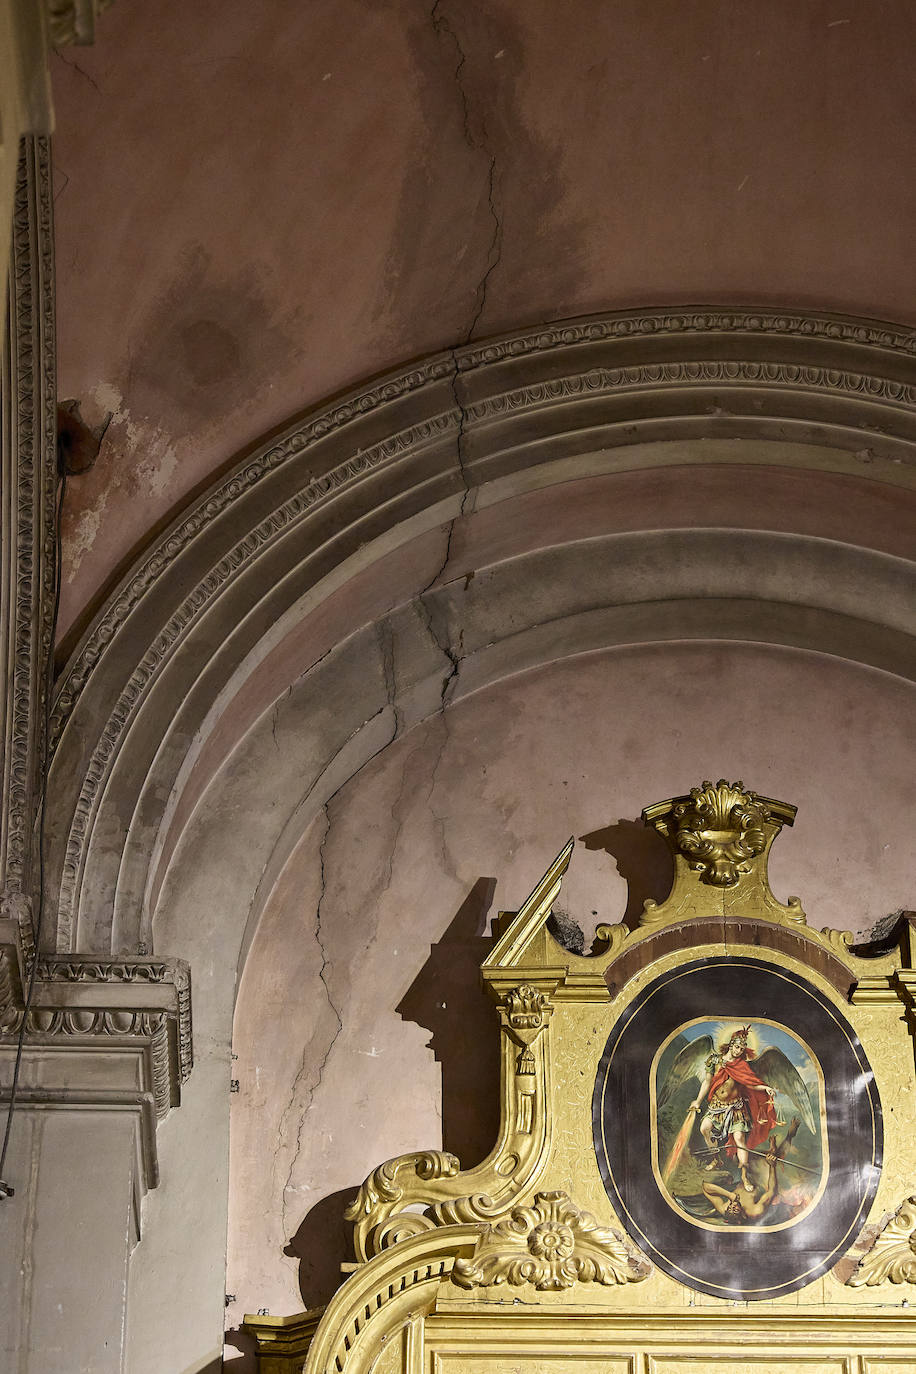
28,545
70,1226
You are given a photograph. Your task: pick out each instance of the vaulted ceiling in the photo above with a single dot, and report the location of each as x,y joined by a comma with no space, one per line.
260,205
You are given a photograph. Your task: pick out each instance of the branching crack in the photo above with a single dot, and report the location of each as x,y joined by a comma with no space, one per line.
275,714
475,134
323,970
305,1065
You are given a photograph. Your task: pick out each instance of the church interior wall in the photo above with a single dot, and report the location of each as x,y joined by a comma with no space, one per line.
361,617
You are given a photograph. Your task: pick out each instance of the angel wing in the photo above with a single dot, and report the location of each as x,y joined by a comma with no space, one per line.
775,1069
690,1062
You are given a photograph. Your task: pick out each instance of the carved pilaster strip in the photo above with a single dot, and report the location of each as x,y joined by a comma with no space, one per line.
29,478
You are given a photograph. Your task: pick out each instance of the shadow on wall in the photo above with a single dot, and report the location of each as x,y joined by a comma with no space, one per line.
239,1355
643,859
321,1245
446,999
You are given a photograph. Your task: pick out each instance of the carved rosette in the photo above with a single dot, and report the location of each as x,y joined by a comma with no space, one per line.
719,828
551,1245
892,1258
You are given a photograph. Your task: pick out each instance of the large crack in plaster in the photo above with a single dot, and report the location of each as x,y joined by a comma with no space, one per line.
305,1064
453,654
444,29
386,645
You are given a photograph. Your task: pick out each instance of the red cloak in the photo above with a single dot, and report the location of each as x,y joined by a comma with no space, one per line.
760,1105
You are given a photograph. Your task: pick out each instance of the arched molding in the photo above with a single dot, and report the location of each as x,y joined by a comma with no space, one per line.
394,466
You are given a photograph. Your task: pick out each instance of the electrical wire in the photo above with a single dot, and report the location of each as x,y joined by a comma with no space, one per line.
5,1189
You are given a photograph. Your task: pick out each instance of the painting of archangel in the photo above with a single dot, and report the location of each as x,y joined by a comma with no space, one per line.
738,1125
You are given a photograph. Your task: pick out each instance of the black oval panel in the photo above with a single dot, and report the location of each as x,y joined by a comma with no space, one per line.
742,1263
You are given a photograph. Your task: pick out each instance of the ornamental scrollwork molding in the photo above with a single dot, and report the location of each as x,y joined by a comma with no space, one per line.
524,1014
719,828
551,1245
720,835
892,1258
428,1189
377,1212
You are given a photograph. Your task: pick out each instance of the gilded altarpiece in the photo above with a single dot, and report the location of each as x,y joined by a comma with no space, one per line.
706,1158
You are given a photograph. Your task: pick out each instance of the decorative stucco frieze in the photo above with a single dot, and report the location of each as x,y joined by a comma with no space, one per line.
100,1035
28,558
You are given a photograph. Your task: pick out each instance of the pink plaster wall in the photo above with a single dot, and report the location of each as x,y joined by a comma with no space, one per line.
825,505
257,205
363,970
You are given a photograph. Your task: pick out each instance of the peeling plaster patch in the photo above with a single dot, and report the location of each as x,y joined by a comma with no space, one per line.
108,399
82,535
158,468
137,459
